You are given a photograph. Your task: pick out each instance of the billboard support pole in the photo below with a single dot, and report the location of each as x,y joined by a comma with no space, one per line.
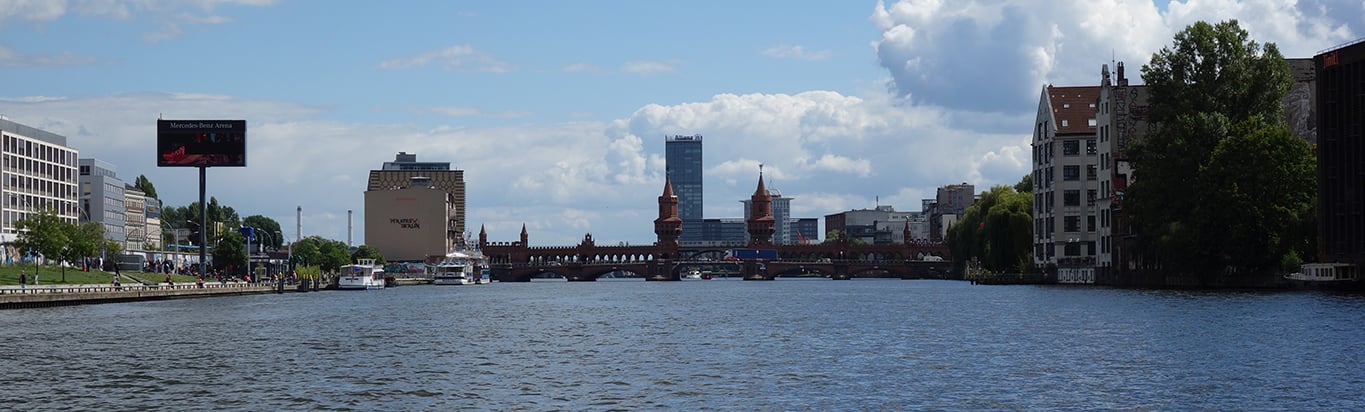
203,220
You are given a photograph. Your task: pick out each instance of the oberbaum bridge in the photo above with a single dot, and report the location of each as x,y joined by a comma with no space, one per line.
665,260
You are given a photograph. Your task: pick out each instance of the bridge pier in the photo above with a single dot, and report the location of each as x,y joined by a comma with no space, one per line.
663,270
755,270
840,272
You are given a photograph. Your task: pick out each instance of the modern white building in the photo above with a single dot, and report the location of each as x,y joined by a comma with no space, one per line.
102,198
39,173
1065,182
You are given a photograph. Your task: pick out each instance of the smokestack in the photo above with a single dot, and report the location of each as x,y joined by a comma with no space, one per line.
298,224
348,228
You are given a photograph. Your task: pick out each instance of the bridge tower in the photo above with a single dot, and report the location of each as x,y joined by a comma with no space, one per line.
525,238
668,226
761,225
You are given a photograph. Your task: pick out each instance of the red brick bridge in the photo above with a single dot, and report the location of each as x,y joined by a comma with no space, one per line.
665,260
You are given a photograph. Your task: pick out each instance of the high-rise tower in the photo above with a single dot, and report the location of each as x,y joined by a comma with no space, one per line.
683,155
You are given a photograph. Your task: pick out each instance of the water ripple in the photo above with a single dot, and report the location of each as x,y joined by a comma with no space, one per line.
719,345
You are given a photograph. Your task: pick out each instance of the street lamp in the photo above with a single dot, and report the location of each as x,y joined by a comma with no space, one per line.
261,247
290,260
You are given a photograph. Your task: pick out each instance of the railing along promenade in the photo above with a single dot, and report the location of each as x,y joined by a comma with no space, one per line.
53,295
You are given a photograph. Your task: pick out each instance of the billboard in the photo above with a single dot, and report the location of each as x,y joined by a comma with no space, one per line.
200,143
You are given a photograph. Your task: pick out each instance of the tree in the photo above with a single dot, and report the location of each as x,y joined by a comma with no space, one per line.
306,250
367,252
44,234
84,240
271,238
1220,187
1265,209
836,236
997,231
145,185
1025,185
333,254
230,251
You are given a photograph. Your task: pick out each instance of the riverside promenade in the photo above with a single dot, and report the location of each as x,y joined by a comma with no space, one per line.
15,297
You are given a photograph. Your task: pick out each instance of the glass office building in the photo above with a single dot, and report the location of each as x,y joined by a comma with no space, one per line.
684,163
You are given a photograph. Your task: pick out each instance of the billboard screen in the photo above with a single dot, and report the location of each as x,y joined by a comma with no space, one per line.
200,143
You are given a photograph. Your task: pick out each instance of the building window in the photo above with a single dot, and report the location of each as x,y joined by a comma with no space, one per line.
1090,223
1091,122
1066,105
1072,224
1089,146
1065,123
1071,198
1072,172
1071,147
1072,249
1090,197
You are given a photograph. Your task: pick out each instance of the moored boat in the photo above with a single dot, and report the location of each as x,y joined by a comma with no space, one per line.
458,268
362,275
1325,276
697,275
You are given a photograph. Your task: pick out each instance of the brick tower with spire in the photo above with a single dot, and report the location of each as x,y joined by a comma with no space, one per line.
668,226
761,224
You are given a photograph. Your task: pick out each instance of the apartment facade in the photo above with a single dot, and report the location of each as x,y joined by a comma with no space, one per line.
1122,118
1065,182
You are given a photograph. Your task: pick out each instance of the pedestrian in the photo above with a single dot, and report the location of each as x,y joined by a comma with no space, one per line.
22,280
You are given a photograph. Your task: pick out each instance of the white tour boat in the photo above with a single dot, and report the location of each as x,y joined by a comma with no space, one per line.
697,275
362,275
458,268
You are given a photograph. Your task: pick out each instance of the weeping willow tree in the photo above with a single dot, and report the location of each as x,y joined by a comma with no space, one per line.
997,231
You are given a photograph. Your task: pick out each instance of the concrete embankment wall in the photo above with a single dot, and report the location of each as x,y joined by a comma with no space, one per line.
34,297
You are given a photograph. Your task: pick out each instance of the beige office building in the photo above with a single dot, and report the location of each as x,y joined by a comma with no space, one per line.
405,189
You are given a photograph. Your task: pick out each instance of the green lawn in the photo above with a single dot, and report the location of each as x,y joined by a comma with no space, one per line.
52,275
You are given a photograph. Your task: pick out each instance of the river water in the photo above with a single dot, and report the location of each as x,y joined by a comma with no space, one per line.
812,344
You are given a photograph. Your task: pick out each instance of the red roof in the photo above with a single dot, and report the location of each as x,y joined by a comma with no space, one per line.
1074,108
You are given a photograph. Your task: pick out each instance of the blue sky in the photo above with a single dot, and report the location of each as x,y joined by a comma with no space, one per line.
557,111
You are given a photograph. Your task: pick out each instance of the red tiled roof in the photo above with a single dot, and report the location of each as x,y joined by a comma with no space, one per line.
1073,108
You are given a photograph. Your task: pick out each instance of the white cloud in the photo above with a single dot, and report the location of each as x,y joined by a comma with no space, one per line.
31,10
11,58
799,52
458,111
582,67
564,179
458,57
646,67
944,53
171,16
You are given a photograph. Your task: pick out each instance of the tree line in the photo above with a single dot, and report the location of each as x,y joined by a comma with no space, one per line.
47,235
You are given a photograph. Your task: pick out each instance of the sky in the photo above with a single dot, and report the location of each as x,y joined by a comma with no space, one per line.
557,111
